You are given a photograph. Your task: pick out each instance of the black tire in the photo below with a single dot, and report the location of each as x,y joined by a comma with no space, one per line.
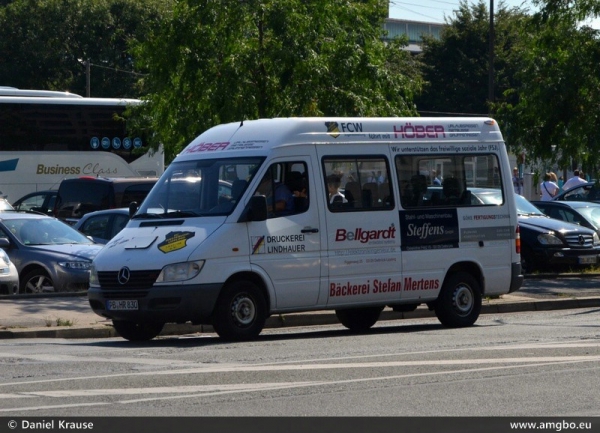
36,281
241,312
459,302
359,319
133,331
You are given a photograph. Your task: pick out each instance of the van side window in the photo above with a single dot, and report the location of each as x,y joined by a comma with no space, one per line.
285,185
448,180
357,183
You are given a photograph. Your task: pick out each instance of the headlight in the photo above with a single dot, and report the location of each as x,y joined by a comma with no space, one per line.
4,257
549,239
76,265
180,271
93,275
596,239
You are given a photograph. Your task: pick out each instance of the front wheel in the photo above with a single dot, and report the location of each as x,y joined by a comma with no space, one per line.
134,331
36,281
359,319
459,302
241,311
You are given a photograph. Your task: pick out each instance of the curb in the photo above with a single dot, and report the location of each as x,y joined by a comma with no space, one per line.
299,319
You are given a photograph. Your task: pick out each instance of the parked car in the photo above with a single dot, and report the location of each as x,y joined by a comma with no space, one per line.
49,255
9,276
39,201
103,225
589,191
583,213
81,195
547,242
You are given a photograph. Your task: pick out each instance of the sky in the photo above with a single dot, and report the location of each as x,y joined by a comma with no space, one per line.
434,10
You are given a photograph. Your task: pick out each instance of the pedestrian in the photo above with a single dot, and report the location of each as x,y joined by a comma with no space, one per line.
517,181
574,181
548,188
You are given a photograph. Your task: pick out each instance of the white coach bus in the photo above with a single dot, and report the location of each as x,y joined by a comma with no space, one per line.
48,136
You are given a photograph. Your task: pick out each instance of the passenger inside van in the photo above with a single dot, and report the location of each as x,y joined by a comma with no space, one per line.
280,200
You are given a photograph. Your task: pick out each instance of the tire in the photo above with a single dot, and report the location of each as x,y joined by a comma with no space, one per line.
36,281
459,302
133,331
241,312
359,319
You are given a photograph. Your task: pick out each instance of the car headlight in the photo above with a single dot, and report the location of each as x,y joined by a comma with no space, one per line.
596,239
180,271
549,239
76,265
4,257
93,275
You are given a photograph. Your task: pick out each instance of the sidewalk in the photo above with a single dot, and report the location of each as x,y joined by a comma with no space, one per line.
70,316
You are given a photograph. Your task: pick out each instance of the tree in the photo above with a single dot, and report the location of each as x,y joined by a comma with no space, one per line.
456,66
553,114
219,61
44,44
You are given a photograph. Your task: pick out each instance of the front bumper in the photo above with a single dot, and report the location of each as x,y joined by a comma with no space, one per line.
165,304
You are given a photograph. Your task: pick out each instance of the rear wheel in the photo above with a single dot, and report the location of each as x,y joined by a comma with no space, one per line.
459,302
241,311
36,281
359,319
133,331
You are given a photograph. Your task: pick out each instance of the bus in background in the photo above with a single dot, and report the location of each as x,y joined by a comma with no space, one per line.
48,136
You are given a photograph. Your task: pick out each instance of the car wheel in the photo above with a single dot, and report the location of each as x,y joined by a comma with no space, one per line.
241,311
36,281
133,331
359,319
459,302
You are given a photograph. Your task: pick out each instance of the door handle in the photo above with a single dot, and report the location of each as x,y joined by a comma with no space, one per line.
309,230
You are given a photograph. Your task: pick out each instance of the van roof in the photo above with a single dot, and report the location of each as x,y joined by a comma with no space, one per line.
261,136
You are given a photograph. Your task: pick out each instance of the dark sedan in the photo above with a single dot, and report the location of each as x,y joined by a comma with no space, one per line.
548,243
49,255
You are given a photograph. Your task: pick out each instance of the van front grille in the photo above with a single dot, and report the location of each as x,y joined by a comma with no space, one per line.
137,280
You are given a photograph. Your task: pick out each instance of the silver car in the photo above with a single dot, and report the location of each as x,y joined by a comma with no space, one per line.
50,256
9,276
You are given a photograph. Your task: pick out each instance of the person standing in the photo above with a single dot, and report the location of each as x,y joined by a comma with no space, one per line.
548,188
574,181
517,181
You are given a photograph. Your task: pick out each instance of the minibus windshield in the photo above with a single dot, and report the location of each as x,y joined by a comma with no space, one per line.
207,187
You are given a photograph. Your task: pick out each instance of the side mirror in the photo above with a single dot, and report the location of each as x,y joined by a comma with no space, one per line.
133,207
4,242
256,210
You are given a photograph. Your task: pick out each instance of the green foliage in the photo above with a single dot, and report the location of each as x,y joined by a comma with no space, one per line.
216,61
456,67
44,43
556,102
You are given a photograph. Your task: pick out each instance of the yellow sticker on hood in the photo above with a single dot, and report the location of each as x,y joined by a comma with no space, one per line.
175,241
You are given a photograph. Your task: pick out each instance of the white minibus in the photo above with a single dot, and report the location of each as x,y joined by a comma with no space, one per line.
276,216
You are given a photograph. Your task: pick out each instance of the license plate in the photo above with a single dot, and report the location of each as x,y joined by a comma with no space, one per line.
122,305
588,260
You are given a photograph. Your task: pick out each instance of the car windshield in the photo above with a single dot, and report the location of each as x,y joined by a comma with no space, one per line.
207,187
524,207
44,231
